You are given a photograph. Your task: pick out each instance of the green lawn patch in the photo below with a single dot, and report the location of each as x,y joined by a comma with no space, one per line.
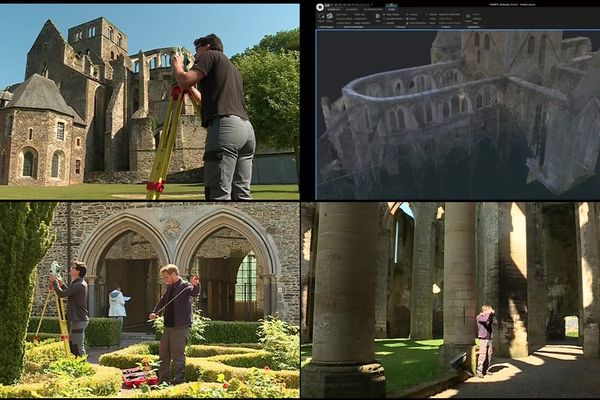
406,363
98,191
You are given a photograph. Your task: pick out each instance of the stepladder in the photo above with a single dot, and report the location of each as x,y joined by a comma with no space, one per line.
164,150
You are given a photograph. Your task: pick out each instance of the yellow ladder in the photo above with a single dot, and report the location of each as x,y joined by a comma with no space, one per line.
61,309
158,174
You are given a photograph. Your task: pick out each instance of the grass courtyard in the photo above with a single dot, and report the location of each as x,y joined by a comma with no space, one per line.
97,191
406,363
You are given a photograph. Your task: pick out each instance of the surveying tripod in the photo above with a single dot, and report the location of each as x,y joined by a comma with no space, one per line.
158,175
61,309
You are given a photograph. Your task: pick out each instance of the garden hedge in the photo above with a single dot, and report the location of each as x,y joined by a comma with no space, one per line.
208,371
229,332
204,369
39,357
201,350
257,359
105,382
100,332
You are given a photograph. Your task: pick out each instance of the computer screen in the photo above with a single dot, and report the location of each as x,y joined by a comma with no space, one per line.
437,102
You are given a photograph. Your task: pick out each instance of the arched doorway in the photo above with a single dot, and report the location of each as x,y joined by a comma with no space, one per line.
123,244
231,278
129,262
245,235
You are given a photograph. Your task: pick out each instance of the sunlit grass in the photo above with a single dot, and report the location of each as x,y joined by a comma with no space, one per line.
406,363
97,191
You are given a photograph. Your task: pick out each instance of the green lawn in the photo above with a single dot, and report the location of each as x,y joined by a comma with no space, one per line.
406,363
96,191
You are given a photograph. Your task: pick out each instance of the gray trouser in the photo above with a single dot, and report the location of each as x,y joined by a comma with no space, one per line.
172,346
485,354
77,335
230,146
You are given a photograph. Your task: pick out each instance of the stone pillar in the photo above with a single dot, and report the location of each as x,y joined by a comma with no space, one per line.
307,230
421,295
589,262
144,82
382,278
460,294
536,284
92,300
343,362
512,307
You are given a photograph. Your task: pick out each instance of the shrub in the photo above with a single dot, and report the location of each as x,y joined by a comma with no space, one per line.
282,341
208,371
209,351
38,358
121,360
71,367
196,334
104,382
256,359
99,332
231,332
44,337
218,331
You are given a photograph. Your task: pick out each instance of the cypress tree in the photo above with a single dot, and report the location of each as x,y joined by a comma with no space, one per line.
25,237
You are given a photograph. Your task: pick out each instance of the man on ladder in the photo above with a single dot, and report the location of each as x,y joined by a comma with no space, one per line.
77,313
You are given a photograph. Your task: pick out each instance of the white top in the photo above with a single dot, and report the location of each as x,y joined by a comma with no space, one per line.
117,304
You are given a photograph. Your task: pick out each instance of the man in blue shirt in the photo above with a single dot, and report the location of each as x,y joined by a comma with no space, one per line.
485,320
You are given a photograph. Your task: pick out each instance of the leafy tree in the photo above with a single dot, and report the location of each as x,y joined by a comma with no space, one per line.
271,73
24,239
281,41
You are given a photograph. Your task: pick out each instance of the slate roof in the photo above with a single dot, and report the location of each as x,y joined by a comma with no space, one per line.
41,93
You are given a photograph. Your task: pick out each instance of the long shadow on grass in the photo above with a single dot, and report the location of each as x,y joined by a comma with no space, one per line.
406,362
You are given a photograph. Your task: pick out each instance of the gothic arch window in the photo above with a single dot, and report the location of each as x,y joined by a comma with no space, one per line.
54,169
166,60
152,63
486,96
464,105
45,70
91,31
112,55
445,110
111,34
2,163
428,113
398,88
78,167
476,40
29,163
454,105
78,35
486,42
411,86
136,67
479,100
531,45
396,119
120,40
543,43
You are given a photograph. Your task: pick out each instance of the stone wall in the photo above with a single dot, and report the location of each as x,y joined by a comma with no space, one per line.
280,222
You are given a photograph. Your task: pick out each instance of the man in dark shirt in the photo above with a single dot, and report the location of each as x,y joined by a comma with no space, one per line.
485,319
230,141
77,313
176,306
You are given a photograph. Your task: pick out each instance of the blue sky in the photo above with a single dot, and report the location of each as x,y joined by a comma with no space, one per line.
147,26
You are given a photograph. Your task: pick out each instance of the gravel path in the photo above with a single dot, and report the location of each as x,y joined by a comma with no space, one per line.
555,370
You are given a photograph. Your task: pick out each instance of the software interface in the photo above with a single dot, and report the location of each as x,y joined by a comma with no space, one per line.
456,102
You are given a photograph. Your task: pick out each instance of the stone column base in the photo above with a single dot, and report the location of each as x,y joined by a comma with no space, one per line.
342,380
448,351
